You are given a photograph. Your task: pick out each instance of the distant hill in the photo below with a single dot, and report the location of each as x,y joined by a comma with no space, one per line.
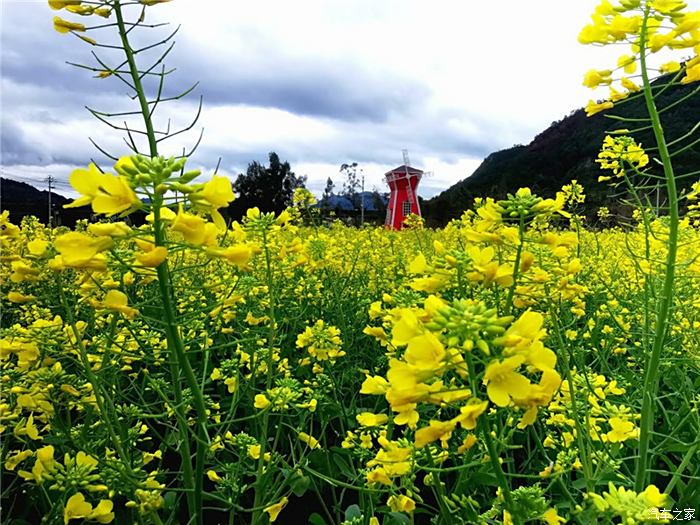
567,150
22,199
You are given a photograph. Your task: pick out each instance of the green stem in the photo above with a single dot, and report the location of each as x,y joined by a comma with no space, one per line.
136,78
582,450
651,379
437,487
102,400
516,265
485,427
684,463
181,363
497,469
259,486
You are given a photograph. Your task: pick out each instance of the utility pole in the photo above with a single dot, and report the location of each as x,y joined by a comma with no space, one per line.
362,199
50,181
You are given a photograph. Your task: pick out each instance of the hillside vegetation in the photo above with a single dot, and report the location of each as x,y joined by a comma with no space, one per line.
567,150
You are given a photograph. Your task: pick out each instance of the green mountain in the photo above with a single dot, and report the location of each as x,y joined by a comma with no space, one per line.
22,200
567,150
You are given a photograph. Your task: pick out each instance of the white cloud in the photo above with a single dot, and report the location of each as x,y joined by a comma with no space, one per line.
321,83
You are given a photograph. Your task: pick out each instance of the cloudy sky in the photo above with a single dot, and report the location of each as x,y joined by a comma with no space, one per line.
321,82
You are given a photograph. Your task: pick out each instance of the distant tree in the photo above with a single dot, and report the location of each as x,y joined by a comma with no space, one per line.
352,182
270,188
328,190
380,203
325,203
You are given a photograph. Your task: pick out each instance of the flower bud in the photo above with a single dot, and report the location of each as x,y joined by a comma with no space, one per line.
189,176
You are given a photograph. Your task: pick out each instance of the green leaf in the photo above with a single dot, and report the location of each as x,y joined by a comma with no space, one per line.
299,484
353,511
170,500
316,519
579,484
484,478
342,465
397,518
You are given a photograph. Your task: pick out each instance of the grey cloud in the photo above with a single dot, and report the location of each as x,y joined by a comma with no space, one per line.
376,113
14,149
330,90
17,149
263,77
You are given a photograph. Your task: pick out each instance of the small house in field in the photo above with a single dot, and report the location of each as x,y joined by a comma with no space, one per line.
403,182
348,208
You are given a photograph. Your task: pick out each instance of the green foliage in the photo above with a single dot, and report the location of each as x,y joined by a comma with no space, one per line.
269,188
566,151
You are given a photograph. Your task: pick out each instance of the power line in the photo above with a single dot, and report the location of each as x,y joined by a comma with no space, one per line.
36,178
55,184
21,177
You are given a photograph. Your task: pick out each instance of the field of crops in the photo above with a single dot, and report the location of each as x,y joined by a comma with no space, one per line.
523,364
352,373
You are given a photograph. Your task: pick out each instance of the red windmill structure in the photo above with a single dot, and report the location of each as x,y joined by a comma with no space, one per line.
403,182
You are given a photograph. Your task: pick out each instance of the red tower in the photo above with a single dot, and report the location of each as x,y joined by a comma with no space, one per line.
403,201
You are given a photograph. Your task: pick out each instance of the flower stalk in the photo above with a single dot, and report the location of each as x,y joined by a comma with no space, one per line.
194,479
665,301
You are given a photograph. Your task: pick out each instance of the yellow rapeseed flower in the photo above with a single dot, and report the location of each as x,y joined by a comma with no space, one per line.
108,194
254,451
551,517
37,247
261,401
274,510
374,385
78,250
118,302
469,413
368,419
43,466
15,459
467,443
61,4
76,508
594,78
153,257
217,192
102,513
239,254
401,503
64,26
435,430
19,298
109,229
692,74
503,382
426,354
622,430
193,228
596,107
114,196
309,440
